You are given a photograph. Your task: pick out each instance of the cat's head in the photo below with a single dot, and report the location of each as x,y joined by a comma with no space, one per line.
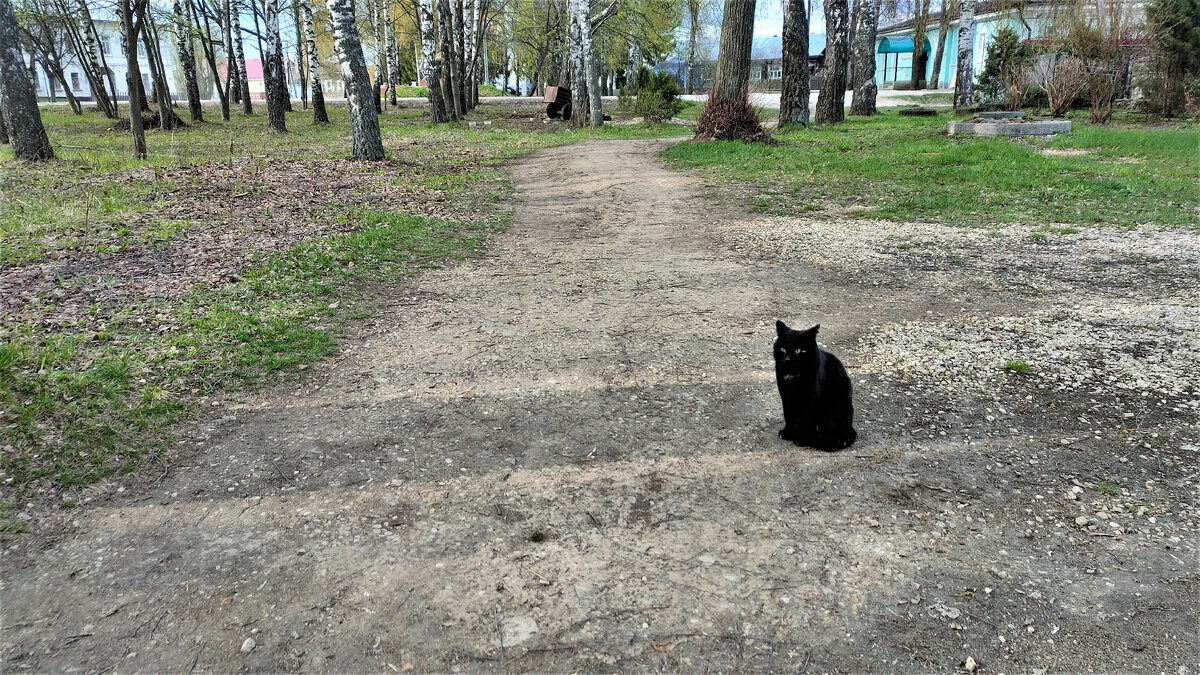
795,346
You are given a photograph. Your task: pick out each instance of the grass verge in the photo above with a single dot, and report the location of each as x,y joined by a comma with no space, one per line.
92,383
906,168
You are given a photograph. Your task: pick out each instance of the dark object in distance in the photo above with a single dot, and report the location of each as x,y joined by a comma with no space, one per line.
918,112
559,100
818,407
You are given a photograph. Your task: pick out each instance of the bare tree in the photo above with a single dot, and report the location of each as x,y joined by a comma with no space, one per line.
208,45
18,100
966,55
920,30
793,99
364,121
44,30
831,102
167,119
187,59
276,86
943,28
131,26
320,115
863,70
236,46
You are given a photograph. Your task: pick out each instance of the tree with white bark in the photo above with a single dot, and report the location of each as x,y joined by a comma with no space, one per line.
862,102
320,115
364,121
18,100
273,78
966,54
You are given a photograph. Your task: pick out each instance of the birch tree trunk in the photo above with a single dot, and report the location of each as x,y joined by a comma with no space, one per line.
320,115
4,139
793,99
943,28
372,7
460,59
865,89
693,9
276,86
301,49
133,78
430,69
831,102
393,54
96,55
473,60
589,59
235,22
78,30
449,62
728,113
167,119
18,100
364,121
579,84
187,59
966,55
208,46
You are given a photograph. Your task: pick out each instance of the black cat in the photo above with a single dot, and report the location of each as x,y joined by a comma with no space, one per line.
817,408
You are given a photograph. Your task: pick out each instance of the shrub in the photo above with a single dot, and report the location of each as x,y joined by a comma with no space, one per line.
657,96
1006,71
1062,79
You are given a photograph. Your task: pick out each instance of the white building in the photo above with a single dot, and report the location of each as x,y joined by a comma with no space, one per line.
113,46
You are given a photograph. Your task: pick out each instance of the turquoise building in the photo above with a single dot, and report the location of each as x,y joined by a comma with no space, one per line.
894,44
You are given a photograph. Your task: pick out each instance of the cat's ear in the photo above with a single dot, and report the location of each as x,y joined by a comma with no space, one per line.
811,333
814,329
781,328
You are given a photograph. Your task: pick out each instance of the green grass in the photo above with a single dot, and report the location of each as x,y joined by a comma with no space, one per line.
99,394
1017,367
906,168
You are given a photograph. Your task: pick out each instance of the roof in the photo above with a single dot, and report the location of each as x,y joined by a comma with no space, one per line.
771,48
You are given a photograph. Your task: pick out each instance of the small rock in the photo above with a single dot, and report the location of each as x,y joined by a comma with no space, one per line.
1081,521
248,646
707,559
1071,496
969,665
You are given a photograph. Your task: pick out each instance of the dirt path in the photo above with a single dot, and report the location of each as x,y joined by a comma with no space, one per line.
562,456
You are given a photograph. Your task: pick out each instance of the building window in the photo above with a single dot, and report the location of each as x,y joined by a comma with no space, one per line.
756,75
74,81
775,72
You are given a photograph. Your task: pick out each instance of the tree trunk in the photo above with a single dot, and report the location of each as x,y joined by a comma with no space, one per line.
589,59
793,98
831,102
430,68
18,100
693,10
728,113
75,33
133,78
167,119
4,139
243,82
276,86
920,30
207,44
364,122
372,7
187,59
320,115
863,83
454,105
579,83
943,28
301,45
460,56
966,54
393,53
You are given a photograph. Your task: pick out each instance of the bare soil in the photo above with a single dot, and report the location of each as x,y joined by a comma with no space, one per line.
563,456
